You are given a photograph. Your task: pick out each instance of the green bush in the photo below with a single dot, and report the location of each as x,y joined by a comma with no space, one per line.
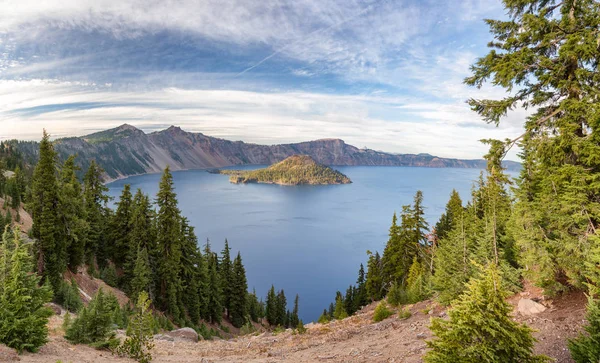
301,328
247,328
381,312
94,325
324,318
138,344
585,348
404,314
23,316
68,296
396,295
480,327
109,275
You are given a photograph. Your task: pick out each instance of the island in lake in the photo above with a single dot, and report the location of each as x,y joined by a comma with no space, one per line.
295,170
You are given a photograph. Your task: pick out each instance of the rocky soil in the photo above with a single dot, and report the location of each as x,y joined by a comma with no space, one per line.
355,339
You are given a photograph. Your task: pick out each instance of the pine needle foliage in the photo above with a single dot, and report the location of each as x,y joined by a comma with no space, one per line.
23,316
139,343
480,328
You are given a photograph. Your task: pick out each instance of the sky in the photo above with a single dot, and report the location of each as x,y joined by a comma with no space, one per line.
382,74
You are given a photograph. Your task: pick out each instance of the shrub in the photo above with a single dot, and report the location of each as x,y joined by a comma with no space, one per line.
94,325
396,295
138,344
381,312
301,328
404,314
324,318
247,328
480,328
585,348
109,275
68,296
23,316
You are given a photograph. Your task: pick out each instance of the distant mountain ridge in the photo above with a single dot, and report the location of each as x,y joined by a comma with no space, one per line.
126,151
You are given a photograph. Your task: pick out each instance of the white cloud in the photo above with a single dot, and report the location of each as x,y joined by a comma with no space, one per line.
407,127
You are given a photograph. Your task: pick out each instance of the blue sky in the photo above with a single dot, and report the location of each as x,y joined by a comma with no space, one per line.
382,74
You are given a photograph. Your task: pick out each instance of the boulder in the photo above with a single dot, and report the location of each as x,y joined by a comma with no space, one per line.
188,334
164,337
528,307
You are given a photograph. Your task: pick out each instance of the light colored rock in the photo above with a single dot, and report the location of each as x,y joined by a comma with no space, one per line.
529,307
188,334
164,337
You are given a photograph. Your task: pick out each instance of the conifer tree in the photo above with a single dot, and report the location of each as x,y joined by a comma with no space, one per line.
239,289
121,228
94,325
169,241
138,344
361,298
450,217
95,199
374,282
23,316
72,214
340,312
51,246
226,271
586,347
281,308
271,307
142,274
295,320
191,273
480,328
142,235
214,307
546,52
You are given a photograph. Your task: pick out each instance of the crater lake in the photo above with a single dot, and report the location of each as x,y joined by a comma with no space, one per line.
308,240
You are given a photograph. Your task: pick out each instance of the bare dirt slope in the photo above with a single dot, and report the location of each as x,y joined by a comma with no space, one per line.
355,339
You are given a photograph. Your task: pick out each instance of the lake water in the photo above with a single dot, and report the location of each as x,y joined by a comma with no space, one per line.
308,240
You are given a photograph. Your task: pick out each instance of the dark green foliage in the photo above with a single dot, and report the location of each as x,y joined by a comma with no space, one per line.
51,246
121,226
23,316
255,307
451,217
546,53
324,318
295,319
72,214
169,241
586,348
109,275
138,344
239,290
374,282
93,325
142,235
340,312
226,272
142,274
214,297
297,169
68,296
97,216
396,295
480,328
382,312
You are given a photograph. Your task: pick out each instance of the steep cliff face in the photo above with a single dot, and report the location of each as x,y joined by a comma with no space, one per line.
126,151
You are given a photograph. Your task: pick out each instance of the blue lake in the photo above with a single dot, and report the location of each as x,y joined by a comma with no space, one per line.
308,240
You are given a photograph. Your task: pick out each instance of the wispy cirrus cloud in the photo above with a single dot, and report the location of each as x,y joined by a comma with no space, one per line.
380,73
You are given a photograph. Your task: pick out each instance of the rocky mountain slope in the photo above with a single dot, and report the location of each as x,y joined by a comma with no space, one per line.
126,151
